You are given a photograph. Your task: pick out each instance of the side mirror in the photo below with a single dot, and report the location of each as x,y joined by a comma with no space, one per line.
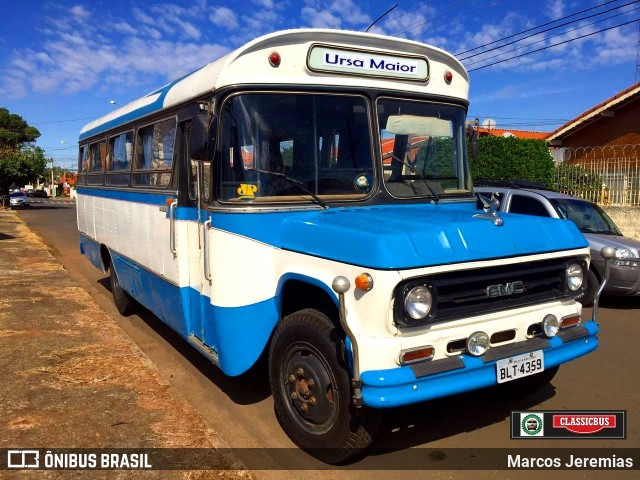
202,136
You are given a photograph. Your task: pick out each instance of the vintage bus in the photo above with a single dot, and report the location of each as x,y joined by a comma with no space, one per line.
308,197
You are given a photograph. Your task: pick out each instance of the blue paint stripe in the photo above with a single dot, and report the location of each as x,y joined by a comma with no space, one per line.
148,198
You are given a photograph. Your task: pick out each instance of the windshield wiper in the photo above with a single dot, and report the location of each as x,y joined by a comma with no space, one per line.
435,196
292,181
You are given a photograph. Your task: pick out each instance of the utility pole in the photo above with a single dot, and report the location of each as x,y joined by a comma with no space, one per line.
638,57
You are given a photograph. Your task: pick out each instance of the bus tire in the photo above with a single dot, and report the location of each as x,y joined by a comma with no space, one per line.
311,387
123,301
589,295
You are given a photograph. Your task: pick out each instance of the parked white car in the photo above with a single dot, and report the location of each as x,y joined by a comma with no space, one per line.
18,199
593,222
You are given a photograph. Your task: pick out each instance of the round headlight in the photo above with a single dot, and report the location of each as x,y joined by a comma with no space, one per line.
477,343
575,277
418,302
550,325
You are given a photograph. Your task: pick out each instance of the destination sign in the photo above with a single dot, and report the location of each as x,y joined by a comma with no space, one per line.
357,62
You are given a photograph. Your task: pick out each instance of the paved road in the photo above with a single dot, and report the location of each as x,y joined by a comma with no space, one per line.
241,408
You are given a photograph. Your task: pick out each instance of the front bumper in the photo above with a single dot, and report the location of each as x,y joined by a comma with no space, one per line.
440,378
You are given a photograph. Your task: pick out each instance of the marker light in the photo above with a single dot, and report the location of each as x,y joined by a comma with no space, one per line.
477,343
448,76
569,321
550,325
364,282
412,355
274,59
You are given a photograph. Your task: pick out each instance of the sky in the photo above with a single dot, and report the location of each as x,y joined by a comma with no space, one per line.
64,63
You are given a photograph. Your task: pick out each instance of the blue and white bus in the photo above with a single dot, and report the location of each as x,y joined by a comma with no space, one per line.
308,196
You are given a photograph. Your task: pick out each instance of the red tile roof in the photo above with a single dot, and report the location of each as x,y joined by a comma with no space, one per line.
504,132
593,113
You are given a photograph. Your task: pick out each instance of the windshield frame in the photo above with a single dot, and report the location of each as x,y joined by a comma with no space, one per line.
297,199
432,188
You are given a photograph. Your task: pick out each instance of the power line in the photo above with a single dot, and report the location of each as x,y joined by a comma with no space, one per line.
440,23
543,40
540,26
553,45
420,5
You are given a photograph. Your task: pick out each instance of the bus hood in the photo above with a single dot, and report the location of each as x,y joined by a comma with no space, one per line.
413,236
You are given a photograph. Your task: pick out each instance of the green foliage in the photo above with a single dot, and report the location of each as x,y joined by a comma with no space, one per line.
510,158
576,180
14,130
20,166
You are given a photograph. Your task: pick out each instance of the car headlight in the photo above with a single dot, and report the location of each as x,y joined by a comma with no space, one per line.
418,302
626,257
575,277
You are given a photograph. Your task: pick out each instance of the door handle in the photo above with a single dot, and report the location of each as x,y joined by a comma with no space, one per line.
172,228
205,244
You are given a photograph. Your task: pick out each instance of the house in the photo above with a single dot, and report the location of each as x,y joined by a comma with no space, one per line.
611,129
601,147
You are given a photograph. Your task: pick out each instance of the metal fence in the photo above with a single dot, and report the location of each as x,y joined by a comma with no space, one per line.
605,175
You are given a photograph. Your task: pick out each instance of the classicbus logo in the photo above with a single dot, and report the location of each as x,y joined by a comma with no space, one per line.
569,424
584,424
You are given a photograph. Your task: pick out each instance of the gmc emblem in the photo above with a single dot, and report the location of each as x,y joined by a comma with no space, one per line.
494,291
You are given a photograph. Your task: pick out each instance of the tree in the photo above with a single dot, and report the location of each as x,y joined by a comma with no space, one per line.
20,166
20,161
14,130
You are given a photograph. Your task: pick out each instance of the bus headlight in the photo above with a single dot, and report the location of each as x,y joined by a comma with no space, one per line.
575,277
418,302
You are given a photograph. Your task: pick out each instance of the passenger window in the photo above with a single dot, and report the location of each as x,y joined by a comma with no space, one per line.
97,160
528,206
83,165
154,154
120,159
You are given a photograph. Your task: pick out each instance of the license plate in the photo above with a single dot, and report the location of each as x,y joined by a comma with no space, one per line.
519,366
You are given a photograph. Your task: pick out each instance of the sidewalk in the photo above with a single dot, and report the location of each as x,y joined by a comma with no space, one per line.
71,378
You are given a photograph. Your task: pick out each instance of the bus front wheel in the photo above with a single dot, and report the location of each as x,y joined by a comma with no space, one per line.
311,386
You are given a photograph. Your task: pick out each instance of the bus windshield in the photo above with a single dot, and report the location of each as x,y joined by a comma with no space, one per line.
279,147
423,148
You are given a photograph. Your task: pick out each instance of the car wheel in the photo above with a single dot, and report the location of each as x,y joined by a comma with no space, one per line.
589,295
311,387
123,301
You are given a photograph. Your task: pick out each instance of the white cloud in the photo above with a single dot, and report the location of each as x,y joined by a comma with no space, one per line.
79,12
317,14
554,9
92,57
224,17
265,3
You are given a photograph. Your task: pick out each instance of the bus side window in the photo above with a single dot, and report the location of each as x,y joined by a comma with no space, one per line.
154,157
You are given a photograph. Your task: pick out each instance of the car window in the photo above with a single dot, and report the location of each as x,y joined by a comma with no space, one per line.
589,217
528,206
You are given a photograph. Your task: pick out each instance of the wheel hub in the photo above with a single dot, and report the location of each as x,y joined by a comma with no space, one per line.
310,389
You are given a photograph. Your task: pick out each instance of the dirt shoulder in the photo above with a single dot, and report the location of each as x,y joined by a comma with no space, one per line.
71,378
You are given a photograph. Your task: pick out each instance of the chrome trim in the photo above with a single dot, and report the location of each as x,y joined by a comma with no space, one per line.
205,246
172,228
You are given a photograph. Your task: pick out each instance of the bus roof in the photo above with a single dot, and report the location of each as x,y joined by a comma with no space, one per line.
299,50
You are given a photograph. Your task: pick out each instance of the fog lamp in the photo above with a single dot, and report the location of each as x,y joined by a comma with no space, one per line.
477,343
550,325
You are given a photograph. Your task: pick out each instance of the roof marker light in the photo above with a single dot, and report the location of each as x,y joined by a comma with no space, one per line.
274,59
448,76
